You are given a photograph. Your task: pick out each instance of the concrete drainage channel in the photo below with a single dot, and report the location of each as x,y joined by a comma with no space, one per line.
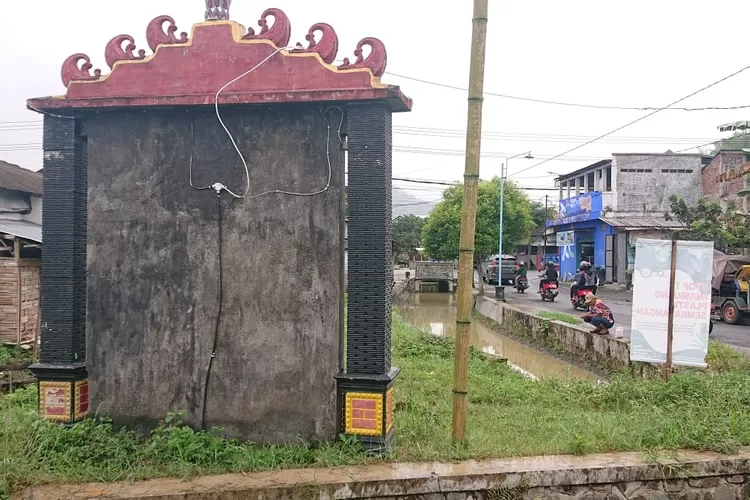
606,353
605,476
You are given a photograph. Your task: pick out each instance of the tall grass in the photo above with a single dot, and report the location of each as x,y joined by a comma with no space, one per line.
509,415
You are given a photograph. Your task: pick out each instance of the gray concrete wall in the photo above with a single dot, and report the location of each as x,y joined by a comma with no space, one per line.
606,476
647,190
153,273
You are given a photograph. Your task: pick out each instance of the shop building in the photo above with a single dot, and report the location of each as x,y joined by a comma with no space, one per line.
605,207
725,178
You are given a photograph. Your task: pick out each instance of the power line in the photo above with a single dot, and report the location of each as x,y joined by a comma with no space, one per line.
440,132
457,183
638,119
568,104
458,152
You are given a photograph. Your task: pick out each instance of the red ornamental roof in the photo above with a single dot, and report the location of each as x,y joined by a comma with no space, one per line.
191,70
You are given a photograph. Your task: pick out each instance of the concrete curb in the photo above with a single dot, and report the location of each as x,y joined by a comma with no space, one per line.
590,476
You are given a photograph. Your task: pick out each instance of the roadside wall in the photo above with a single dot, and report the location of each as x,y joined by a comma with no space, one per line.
604,352
593,477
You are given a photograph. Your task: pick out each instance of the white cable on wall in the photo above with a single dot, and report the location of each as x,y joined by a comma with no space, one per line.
218,187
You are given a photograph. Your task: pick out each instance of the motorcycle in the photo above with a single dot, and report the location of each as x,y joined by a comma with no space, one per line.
579,299
521,284
548,291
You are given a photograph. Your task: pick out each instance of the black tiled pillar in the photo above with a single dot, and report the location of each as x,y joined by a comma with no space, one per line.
61,371
366,389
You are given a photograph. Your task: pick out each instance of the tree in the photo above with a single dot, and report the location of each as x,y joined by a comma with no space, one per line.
708,221
540,216
407,231
440,235
737,142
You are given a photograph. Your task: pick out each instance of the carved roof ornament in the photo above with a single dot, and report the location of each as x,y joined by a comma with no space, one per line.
182,70
155,34
218,10
280,33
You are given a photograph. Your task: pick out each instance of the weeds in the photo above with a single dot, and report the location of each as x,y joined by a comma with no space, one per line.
509,415
559,316
723,358
13,354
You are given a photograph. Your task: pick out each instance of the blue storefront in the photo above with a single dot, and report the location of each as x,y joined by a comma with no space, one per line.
580,233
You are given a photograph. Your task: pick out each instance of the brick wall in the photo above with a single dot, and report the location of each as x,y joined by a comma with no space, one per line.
711,186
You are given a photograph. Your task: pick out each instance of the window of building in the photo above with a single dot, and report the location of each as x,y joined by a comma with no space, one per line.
637,170
608,177
676,171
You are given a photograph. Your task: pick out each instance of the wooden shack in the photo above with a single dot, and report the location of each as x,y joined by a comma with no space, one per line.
19,290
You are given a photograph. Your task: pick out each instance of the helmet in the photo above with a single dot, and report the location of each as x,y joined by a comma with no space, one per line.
550,264
585,265
522,264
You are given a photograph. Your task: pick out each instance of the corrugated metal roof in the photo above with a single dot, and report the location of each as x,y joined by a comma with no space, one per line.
635,223
21,228
15,178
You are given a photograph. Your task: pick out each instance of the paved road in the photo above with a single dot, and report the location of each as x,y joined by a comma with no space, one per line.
621,305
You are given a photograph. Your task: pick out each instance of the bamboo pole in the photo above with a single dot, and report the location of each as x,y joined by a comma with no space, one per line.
670,318
468,220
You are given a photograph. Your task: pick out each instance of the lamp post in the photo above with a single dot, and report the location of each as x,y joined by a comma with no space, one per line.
503,174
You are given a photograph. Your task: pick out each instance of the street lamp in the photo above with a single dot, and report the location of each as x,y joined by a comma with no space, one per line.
503,174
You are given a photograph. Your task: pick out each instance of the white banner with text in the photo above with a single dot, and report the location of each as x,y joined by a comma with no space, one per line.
692,302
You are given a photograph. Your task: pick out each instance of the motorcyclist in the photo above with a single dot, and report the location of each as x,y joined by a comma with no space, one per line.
584,279
520,272
550,275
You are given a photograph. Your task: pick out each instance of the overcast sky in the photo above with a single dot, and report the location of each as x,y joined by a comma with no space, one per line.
610,53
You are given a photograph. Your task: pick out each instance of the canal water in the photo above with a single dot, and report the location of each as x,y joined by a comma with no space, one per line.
436,312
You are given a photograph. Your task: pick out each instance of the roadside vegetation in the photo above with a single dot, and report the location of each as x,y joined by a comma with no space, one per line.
10,355
510,415
560,316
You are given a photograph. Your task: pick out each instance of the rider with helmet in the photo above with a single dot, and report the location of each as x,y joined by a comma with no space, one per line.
550,275
585,279
520,271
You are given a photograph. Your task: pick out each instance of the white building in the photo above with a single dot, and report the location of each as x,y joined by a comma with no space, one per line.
606,206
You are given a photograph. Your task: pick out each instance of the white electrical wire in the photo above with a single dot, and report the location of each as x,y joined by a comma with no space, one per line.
328,158
192,154
32,108
231,138
218,186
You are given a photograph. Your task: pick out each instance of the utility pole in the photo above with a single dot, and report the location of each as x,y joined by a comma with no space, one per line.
544,252
469,220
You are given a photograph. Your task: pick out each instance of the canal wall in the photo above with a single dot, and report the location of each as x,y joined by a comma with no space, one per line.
608,476
604,352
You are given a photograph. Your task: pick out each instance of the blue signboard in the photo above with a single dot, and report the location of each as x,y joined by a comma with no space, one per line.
587,206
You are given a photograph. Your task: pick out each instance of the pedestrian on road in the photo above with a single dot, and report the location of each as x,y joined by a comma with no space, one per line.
598,315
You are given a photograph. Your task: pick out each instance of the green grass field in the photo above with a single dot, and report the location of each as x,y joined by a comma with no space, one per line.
509,415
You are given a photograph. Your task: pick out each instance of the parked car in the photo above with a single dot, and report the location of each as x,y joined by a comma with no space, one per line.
507,270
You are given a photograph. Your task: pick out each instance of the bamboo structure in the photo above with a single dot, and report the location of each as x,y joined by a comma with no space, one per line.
468,219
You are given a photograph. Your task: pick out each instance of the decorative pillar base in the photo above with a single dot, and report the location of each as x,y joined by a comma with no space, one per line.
63,391
366,409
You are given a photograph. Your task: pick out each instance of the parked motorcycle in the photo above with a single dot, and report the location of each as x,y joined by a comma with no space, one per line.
521,284
579,299
548,291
